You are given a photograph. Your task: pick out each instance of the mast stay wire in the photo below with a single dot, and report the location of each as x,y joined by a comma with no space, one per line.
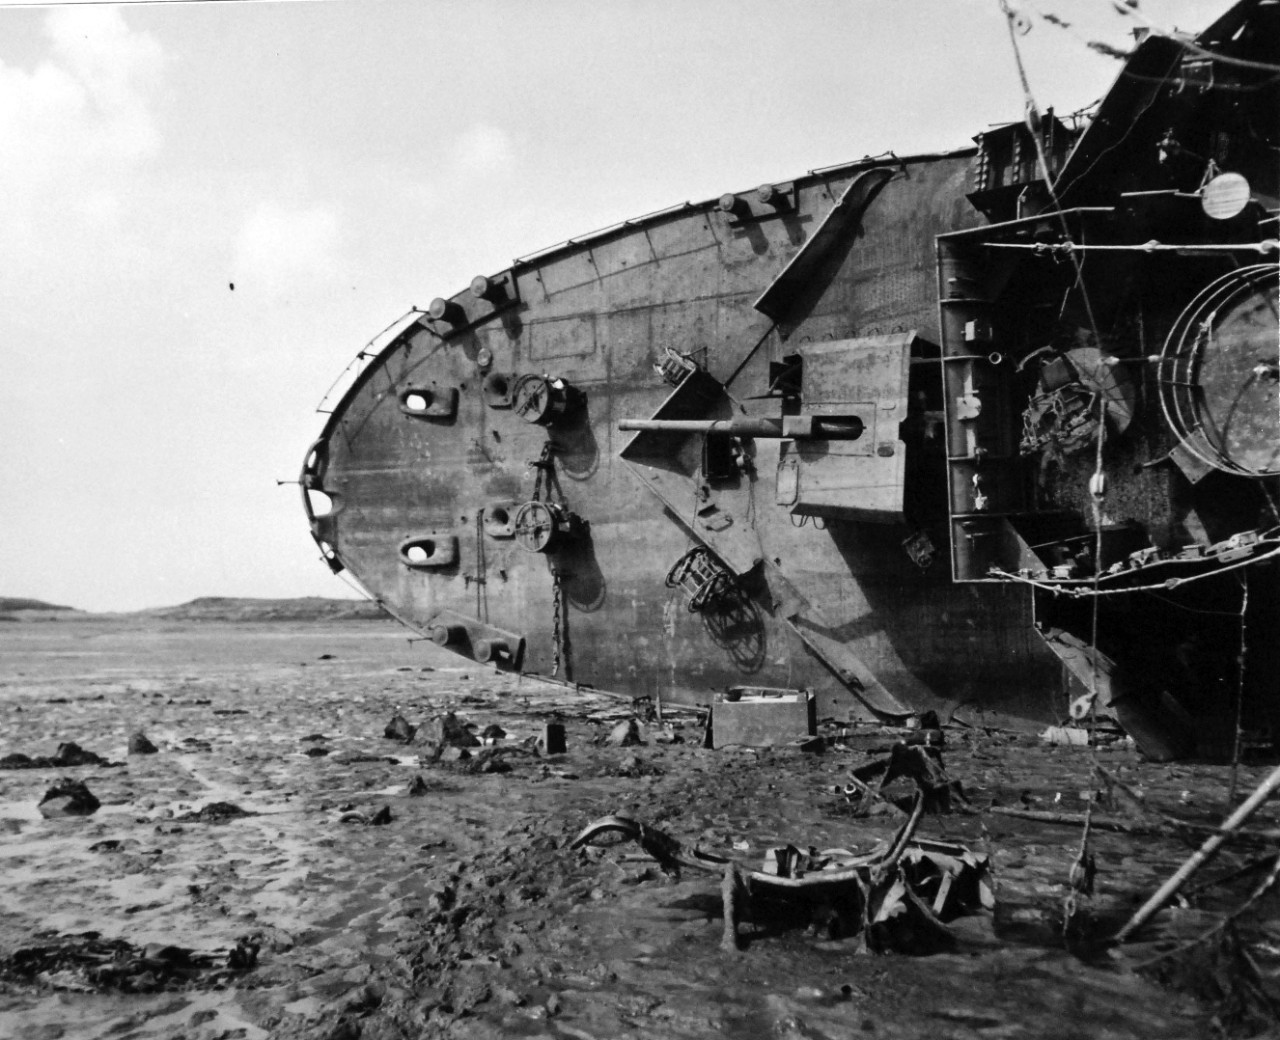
1083,868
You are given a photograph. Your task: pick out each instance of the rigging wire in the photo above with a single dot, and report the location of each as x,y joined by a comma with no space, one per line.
1267,245
1032,119
1134,12
1081,875
1168,583
1239,742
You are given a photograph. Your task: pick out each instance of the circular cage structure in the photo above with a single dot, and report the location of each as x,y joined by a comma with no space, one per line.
1219,373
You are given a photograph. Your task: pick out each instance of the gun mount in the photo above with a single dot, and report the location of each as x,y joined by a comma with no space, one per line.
801,427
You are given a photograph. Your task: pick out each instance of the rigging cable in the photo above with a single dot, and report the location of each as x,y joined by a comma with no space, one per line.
1083,868
1239,743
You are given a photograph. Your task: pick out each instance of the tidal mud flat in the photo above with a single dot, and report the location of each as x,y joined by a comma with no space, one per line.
280,867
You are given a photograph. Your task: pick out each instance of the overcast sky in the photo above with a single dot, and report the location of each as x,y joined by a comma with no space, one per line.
341,161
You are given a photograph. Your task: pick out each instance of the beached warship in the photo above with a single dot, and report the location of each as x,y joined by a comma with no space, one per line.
997,426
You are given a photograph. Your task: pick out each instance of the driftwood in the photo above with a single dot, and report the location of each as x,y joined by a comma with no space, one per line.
1072,820
1168,826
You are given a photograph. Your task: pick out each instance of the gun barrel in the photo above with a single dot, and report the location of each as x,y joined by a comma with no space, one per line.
804,427
743,427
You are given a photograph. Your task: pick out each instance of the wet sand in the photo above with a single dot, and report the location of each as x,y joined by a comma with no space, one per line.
466,915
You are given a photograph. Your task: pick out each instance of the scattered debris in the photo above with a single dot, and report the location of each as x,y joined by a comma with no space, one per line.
908,770
449,731
898,897
1073,736
493,759
626,733
68,756
106,845
491,764
378,819
352,760
492,733
140,744
68,798
400,729
215,812
87,963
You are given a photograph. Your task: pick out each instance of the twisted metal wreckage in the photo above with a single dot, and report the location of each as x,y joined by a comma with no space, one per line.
911,432
898,896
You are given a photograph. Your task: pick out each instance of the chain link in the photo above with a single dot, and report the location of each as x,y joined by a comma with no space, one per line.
557,627
540,466
545,483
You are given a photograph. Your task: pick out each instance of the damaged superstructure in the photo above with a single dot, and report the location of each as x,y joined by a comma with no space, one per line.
908,431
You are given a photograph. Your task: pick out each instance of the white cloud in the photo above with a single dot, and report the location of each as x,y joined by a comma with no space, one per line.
482,149
279,246
77,123
117,67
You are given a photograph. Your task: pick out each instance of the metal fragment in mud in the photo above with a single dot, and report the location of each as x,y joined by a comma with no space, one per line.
68,798
87,963
908,770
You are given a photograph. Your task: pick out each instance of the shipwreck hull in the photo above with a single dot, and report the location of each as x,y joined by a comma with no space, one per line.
998,426
430,445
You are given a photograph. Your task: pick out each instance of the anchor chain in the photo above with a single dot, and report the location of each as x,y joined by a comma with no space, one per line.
559,640
546,523
545,478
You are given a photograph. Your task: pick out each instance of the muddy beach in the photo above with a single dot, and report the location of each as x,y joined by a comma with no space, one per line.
279,867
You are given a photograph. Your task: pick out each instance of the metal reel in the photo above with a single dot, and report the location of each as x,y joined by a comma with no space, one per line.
541,527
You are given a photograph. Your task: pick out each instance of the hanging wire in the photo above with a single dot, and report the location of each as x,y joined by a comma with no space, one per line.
1033,125
1239,743
1200,51
1135,13
1167,584
1266,245
1083,868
